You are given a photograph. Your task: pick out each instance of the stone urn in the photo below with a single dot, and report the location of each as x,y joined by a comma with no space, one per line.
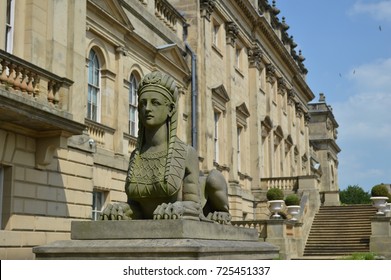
294,211
380,202
276,206
387,209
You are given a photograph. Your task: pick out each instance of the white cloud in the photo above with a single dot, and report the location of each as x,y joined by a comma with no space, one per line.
365,125
369,106
379,11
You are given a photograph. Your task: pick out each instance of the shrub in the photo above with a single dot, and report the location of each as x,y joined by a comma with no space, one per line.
354,195
292,199
274,194
380,190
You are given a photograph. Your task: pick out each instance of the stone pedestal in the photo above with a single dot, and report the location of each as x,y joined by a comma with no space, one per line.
158,239
380,241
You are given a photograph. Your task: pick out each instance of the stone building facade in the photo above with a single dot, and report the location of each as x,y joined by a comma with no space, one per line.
68,77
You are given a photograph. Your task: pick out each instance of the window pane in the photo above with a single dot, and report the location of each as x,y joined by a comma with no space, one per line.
95,96
133,90
94,113
98,199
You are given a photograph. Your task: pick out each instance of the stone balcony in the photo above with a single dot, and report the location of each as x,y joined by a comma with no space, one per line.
283,183
33,102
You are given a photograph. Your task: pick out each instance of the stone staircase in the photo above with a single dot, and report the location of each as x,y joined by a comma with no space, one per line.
339,231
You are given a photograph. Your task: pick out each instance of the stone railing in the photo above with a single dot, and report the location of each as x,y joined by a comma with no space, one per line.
99,133
132,141
283,183
168,14
31,80
260,225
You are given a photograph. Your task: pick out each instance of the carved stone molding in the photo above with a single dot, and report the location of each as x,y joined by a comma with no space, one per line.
270,73
46,147
291,97
307,118
207,8
299,110
255,55
242,113
232,31
329,124
282,86
220,98
121,50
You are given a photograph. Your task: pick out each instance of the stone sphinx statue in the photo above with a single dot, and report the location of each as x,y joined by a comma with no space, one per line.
163,179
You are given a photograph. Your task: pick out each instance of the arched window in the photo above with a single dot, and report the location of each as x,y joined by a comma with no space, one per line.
133,117
93,87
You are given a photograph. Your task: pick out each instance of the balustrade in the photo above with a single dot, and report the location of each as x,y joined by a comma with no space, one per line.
31,80
168,14
283,183
132,142
259,225
101,134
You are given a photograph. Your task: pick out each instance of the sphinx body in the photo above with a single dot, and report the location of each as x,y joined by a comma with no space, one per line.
163,179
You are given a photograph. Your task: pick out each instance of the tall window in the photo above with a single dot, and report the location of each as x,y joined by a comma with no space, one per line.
98,200
93,87
9,27
216,136
216,34
133,118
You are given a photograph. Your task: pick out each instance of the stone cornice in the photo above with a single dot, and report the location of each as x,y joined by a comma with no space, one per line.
266,29
326,144
248,10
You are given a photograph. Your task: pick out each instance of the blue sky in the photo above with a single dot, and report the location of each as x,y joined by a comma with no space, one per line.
347,46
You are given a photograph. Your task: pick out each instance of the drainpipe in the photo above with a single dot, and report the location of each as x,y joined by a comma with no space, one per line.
194,92
194,98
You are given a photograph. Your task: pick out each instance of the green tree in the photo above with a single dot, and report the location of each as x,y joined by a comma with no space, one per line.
354,195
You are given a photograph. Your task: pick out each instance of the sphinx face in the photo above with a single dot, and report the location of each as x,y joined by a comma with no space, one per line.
154,109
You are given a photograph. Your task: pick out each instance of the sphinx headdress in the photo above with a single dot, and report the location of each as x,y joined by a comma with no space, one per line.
165,85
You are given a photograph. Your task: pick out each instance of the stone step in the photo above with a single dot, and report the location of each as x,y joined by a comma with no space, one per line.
335,238
333,250
339,242
341,224
347,217
319,255
340,231
350,248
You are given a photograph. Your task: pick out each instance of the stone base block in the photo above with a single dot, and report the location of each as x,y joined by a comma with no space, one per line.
173,239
